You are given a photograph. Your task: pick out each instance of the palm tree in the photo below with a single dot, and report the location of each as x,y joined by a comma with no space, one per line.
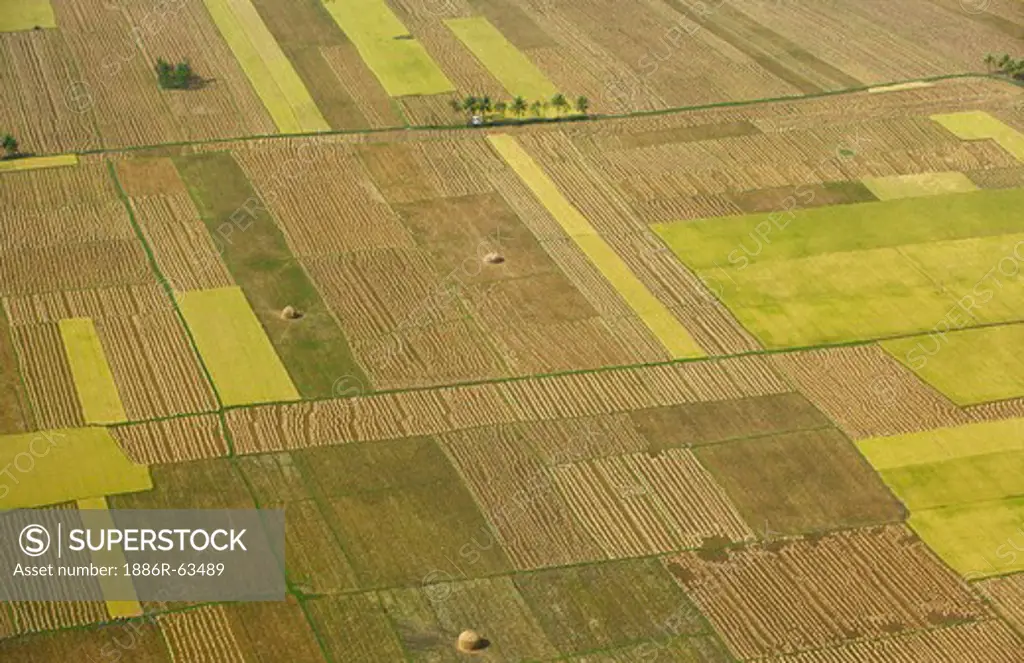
559,102
537,108
1005,62
501,108
470,104
990,60
519,106
582,105
486,105
10,145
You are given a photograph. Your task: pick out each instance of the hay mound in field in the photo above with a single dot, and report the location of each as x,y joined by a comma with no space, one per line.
471,641
493,258
289,313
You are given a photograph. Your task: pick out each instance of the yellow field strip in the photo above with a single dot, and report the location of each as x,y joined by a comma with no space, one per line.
94,383
918,184
96,515
33,163
517,74
60,466
241,360
896,87
401,64
268,68
943,444
18,15
979,125
672,335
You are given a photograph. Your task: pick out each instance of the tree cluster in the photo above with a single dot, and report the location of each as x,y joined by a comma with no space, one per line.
10,145
487,109
174,76
1006,65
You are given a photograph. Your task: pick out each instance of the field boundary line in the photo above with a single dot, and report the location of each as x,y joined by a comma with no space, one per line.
528,122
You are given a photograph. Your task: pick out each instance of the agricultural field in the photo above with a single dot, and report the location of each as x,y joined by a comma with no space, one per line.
736,379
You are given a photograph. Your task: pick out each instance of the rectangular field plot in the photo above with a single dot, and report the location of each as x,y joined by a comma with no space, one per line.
94,383
354,628
242,362
429,619
913,186
16,15
866,584
81,643
976,539
34,163
400,62
282,91
964,487
800,482
970,366
607,605
515,71
69,465
863,271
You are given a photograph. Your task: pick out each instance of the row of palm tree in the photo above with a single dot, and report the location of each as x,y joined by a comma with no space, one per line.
484,107
1004,64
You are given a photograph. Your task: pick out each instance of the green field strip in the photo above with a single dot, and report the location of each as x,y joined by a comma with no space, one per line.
666,328
268,69
976,478
516,73
969,366
893,187
935,446
400,63
979,125
18,15
94,382
975,540
69,465
34,163
233,345
752,238
95,514
314,349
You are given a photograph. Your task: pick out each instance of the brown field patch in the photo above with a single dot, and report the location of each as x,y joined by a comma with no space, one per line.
329,184
354,628
429,412
1010,409
802,197
989,640
155,367
269,632
560,346
399,170
864,584
362,86
514,22
379,292
1007,593
459,64
794,483
100,303
185,254
998,178
73,267
698,424
40,616
520,498
867,392
433,110
149,176
51,112
638,505
203,484
174,440
317,565
47,375
142,639
15,410
273,478
572,440
202,635
691,134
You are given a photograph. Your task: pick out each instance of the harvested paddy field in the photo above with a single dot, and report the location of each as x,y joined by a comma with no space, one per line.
730,383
